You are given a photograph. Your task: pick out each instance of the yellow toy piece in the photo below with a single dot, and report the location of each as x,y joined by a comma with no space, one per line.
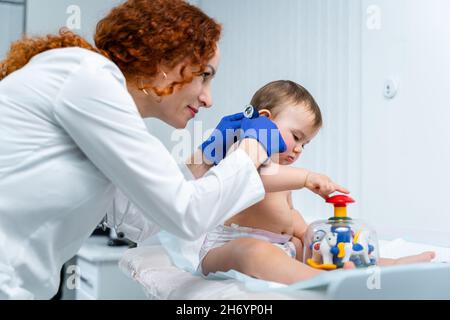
316,265
340,212
341,247
356,238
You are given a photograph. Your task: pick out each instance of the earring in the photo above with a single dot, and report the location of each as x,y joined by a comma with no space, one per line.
142,87
165,75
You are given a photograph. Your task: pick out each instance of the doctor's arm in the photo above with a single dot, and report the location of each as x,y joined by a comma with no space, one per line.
198,165
132,221
96,111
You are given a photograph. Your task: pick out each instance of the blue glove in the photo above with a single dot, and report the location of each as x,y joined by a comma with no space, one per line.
224,136
266,132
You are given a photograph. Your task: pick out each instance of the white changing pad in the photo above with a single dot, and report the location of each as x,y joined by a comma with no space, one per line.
152,268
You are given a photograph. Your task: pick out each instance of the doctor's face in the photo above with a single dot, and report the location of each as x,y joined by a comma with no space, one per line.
184,104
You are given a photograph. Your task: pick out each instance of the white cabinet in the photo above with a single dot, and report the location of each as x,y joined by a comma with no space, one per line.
100,277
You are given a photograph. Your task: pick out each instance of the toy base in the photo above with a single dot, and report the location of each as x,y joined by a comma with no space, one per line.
315,265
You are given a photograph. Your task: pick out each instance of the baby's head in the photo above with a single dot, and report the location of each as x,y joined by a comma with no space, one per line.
293,109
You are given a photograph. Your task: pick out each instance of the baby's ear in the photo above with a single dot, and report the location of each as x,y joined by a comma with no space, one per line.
265,113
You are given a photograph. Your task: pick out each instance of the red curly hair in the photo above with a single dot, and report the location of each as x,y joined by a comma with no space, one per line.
140,37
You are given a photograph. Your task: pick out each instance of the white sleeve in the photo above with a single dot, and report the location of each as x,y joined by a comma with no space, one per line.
187,173
127,218
95,109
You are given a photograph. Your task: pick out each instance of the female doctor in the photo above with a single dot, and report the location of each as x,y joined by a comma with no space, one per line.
73,135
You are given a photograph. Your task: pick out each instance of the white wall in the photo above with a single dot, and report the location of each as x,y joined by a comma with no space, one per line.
48,16
12,14
405,149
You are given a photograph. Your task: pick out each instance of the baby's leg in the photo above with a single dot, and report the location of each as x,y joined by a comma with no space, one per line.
298,248
259,259
419,258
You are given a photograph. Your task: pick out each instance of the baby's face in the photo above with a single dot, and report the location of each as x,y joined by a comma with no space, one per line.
296,125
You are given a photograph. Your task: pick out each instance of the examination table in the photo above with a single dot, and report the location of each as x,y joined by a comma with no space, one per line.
152,268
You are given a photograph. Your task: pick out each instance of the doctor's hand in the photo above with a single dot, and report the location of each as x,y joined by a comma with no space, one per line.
322,185
215,148
265,132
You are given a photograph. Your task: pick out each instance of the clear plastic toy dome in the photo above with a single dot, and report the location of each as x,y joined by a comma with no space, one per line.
328,244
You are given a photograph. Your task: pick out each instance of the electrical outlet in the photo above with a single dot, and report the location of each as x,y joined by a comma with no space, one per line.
390,88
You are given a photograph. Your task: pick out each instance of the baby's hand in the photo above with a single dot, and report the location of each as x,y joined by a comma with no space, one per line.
322,185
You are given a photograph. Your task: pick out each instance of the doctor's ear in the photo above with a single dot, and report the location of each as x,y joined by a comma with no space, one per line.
265,113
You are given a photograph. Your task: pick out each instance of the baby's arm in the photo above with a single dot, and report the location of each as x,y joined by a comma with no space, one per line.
278,178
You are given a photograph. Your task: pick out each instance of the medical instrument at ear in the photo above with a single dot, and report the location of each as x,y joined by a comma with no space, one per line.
249,111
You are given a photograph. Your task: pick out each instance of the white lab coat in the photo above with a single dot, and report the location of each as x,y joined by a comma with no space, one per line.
71,135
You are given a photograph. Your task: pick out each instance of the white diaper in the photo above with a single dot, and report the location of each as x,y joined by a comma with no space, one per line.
223,234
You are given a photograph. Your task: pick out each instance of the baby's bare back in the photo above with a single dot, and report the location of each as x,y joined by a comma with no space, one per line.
272,214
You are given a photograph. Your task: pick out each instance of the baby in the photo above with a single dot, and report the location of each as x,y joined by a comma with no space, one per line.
265,241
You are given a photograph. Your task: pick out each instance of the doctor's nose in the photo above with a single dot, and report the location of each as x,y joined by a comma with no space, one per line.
206,98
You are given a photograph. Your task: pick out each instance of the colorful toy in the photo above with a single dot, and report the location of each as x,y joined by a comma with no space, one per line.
328,244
